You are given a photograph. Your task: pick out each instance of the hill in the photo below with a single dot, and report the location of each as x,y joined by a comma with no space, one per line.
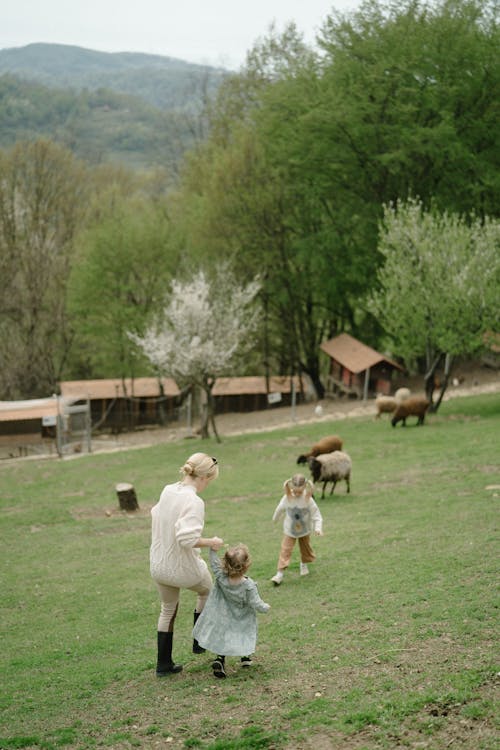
163,82
136,109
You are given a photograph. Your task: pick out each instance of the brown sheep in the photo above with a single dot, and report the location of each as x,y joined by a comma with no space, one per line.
415,406
324,445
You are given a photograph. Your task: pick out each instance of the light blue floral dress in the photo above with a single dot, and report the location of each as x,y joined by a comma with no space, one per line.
228,624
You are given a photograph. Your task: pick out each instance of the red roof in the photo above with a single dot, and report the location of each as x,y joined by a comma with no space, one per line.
354,355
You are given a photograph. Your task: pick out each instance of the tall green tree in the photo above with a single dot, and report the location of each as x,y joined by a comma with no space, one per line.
125,264
438,287
410,95
246,201
43,194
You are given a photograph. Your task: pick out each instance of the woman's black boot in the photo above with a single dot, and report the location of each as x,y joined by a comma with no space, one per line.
197,649
165,665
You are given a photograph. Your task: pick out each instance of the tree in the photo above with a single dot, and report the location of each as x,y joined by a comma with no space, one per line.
42,200
243,192
305,150
205,325
438,287
410,103
126,262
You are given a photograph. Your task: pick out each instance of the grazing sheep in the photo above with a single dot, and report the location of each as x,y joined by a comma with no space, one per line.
385,405
388,404
415,406
324,445
331,467
402,394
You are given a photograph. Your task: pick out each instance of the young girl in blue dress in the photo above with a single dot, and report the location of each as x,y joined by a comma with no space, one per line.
228,624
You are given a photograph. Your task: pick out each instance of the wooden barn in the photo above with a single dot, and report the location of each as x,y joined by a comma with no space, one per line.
251,393
356,369
118,404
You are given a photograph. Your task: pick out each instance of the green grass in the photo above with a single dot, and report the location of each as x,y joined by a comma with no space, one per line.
389,642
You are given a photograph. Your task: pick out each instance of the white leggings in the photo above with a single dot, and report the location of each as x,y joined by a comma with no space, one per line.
169,596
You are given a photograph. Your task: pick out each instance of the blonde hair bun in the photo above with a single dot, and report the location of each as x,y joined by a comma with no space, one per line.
200,465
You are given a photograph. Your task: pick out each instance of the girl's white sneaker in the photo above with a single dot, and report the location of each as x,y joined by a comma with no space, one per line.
276,579
304,570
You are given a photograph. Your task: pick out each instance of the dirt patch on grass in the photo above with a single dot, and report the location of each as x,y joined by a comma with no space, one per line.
79,514
299,699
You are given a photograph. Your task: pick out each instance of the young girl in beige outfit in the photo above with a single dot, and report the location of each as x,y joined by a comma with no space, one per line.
301,517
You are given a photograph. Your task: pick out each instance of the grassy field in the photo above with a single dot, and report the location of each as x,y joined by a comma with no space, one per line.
388,643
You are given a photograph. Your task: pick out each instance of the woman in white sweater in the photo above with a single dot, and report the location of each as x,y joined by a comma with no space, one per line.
175,557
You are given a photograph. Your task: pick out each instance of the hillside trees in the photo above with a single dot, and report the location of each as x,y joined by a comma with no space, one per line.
42,198
305,150
204,326
438,286
126,261
247,203
410,95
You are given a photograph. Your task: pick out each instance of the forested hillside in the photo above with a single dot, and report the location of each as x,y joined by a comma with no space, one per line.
164,82
138,110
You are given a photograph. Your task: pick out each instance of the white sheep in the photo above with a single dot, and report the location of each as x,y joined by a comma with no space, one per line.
385,405
402,394
331,467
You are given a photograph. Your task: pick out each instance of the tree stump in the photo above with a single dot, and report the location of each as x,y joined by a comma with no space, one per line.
127,497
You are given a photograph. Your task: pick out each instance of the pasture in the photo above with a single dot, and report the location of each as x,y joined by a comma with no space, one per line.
390,642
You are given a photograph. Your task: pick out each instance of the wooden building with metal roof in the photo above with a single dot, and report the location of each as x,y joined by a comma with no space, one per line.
356,369
255,392
124,403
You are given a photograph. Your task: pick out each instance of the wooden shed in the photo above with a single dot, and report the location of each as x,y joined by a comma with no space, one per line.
356,369
118,404
30,426
253,392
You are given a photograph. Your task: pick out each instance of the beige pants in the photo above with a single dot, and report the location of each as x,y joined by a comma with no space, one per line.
287,544
169,597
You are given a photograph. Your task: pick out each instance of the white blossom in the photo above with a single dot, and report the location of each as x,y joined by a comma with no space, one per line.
204,325
439,284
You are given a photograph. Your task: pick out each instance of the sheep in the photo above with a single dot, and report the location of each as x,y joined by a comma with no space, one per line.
415,406
324,445
385,405
331,467
402,394
388,404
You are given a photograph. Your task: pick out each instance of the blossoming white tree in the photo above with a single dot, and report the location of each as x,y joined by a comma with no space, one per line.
205,325
439,285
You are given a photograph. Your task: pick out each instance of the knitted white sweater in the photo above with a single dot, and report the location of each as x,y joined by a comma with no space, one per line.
177,524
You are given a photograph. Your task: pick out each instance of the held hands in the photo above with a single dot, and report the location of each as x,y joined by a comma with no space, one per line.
216,543
318,533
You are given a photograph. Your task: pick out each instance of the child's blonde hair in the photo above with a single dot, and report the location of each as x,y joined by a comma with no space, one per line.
236,561
298,485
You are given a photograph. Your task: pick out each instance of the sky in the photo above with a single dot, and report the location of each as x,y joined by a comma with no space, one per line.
211,32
